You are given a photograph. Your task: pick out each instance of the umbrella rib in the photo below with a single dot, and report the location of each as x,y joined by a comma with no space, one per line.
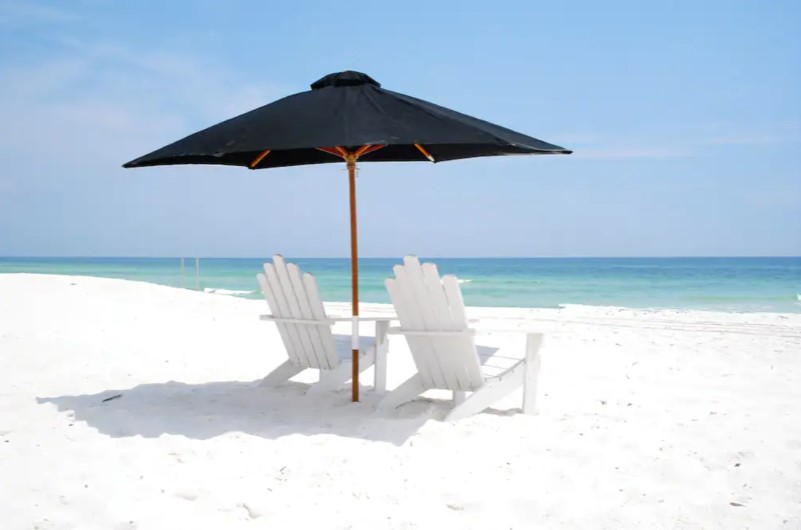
343,153
370,148
360,151
425,153
330,151
259,158
338,151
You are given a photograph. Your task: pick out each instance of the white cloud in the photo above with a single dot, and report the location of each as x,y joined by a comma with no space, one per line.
631,152
32,12
688,141
758,138
104,104
775,132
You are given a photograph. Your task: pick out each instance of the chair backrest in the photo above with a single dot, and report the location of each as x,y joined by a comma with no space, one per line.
293,296
425,303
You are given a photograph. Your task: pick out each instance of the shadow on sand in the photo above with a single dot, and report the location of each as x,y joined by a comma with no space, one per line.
207,410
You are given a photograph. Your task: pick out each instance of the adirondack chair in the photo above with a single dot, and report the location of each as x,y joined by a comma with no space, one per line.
306,332
432,317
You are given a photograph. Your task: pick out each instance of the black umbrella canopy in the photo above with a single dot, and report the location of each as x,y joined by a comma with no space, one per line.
349,110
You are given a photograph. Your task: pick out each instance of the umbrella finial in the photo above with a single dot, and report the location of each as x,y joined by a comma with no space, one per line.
346,78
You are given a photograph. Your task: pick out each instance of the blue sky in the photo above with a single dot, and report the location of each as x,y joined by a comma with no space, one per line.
685,118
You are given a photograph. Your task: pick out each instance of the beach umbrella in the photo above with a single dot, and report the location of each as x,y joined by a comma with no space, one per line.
346,116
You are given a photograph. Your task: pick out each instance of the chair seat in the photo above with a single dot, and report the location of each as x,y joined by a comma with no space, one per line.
344,350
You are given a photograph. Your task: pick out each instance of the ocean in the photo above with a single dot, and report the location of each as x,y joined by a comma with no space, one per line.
723,284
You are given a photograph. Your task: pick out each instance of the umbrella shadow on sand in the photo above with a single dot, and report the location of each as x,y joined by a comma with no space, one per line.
206,410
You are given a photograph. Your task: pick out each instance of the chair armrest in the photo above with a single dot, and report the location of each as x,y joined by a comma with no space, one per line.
431,333
484,330
326,322
364,319
283,320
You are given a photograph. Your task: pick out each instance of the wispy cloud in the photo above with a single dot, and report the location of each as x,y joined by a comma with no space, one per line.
782,196
688,141
738,133
781,134
31,12
632,152
104,104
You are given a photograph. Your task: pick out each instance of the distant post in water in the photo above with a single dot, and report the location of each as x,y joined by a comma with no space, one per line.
183,274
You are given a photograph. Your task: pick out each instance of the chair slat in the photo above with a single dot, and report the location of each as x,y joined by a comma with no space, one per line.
417,284
455,301
450,285
273,305
318,312
438,300
431,373
306,348
448,348
294,346
316,340
427,300
416,298
421,353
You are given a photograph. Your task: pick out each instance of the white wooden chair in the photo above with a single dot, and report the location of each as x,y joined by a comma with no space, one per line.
432,316
305,330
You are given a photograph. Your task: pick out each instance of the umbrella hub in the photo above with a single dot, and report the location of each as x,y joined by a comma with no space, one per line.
346,78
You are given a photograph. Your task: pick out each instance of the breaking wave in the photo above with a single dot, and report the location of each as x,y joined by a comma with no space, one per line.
226,291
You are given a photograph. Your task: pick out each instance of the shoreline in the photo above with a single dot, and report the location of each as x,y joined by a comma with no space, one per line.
382,306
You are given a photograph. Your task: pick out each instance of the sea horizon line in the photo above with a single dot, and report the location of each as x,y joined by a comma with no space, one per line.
192,257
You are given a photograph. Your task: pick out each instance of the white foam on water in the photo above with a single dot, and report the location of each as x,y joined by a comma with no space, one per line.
225,291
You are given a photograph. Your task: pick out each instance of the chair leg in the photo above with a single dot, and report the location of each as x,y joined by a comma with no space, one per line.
532,369
382,347
493,390
458,397
282,373
407,391
334,379
331,379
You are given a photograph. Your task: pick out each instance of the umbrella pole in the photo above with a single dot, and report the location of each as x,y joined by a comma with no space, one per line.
350,158
354,271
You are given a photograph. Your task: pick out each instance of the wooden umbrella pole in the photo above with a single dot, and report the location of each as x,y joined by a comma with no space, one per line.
354,270
350,158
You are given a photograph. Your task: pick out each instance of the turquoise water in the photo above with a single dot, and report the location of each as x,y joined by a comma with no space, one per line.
729,284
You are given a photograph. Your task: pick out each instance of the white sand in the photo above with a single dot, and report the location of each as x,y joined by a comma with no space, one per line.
648,419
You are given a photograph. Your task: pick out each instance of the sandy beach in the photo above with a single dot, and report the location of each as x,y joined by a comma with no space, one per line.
132,405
